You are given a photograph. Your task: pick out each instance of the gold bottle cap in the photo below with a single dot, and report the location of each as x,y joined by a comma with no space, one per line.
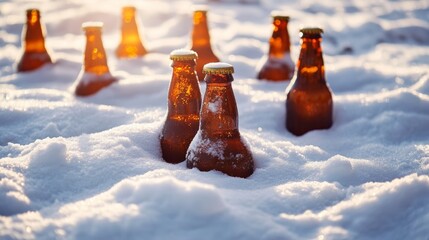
218,68
279,15
92,25
313,30
183,55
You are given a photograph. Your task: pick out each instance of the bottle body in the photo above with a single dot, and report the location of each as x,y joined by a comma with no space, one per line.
218,144
201,42
308,110
95,73
131,45
278,66
35,54
184,104
309,104
177,134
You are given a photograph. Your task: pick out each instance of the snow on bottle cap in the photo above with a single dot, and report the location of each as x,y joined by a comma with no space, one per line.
218,68
183,55
311,31
92,25
279,15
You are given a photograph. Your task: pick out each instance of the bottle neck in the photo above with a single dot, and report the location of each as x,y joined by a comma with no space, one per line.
34,40
200,32
129,28
279,41
95,60
219,114
310,64
184,96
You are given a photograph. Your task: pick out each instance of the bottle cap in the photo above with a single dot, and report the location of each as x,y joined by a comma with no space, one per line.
218,68
92,25
311,31
183,55
32,11
279,15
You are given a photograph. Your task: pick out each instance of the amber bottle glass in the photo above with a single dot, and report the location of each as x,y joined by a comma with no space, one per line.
278,66
131,45
201,42
218,144
95,73
35,54
309,100
184,104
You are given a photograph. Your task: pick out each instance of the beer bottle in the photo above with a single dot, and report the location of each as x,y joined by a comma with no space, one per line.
95,73
131,45
218,144
201,42
278,66
309,100
184,103
35,54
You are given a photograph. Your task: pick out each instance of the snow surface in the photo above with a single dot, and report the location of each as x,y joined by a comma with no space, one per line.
91,168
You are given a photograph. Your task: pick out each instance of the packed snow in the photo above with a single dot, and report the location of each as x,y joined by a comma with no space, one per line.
91,168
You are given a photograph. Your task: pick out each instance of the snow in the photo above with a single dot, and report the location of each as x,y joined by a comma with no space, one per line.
91,168
94,24
214,148
217,65
182,52
215,105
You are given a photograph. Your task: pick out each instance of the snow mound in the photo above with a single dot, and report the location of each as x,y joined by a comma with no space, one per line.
369,209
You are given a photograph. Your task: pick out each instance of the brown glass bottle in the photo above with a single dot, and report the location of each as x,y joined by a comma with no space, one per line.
218,144
309,100
95,73
131,45
184,104
35,54
201,42
278,66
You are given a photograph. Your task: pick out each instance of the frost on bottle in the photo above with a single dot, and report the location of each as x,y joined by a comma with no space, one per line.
184,103
35,54
95,73
131,45
278,66
218,144
201,42
309,100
